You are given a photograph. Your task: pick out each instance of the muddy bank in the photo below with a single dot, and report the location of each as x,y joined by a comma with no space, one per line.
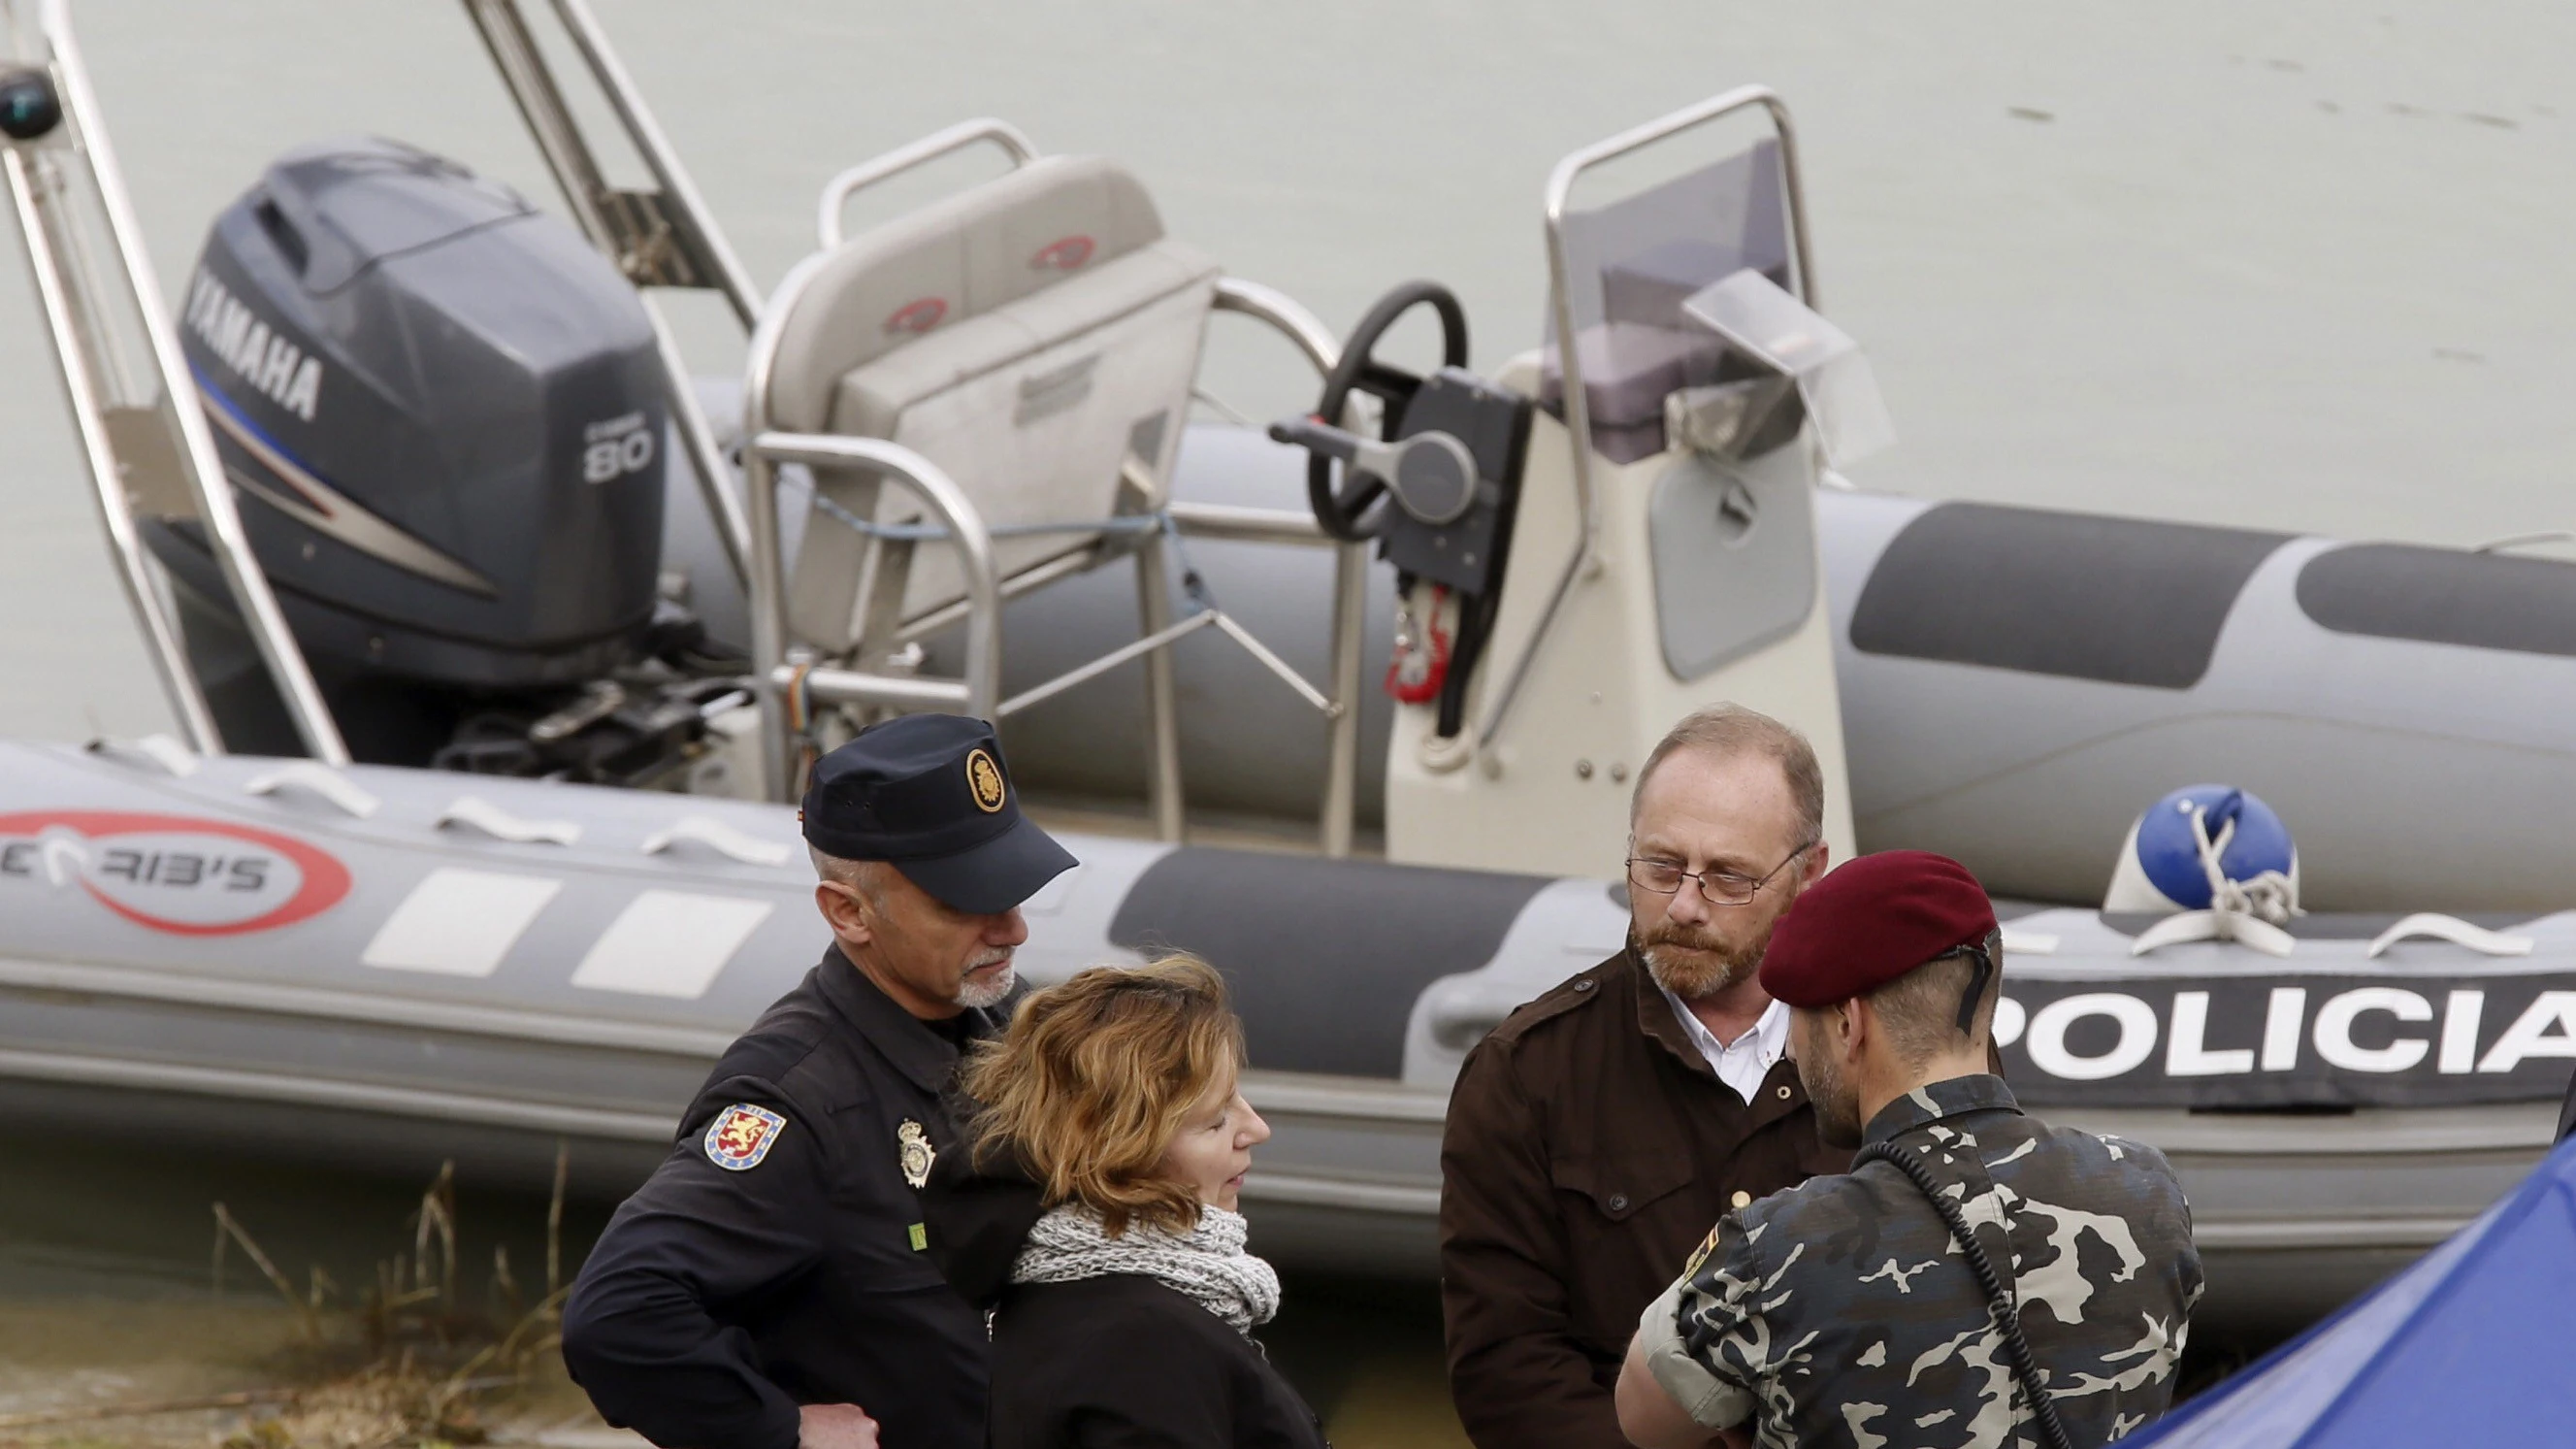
108,1300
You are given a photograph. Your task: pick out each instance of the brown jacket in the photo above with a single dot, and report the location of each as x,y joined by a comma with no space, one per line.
1589,1150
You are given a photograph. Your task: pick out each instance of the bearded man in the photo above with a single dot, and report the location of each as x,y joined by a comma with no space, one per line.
1595,1134
767,1289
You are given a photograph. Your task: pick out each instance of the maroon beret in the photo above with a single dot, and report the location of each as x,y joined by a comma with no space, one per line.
1871,921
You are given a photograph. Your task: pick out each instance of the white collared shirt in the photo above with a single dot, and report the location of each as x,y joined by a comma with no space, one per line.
1744,1062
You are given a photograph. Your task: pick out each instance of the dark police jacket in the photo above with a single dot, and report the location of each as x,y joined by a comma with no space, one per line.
1840,1311
1113,1362
1589,1147
775,1259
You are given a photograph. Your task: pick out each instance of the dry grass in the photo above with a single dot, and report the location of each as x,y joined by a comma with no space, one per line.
407,1361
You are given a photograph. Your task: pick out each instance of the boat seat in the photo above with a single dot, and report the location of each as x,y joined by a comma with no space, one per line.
1036,336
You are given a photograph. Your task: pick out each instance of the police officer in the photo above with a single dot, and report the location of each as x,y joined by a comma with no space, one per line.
1852,1309
767,1288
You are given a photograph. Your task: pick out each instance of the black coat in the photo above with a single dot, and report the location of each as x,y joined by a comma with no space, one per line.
1115,1362
1589,1148
759,1271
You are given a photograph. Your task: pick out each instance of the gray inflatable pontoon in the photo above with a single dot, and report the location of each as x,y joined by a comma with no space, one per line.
517,638
352,967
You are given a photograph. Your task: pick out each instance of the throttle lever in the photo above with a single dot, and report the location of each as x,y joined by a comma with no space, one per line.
1365,455
1431,473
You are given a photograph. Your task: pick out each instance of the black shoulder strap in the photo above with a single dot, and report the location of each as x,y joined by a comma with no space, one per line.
1998,1299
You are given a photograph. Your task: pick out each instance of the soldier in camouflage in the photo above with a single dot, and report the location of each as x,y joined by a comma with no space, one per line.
1842,1311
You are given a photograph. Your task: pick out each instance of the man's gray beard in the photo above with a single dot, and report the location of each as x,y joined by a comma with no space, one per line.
1699,975
975,997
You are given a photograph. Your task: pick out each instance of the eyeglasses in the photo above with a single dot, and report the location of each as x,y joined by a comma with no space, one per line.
1717,887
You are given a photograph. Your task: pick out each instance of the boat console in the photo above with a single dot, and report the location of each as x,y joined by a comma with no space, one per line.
1437,491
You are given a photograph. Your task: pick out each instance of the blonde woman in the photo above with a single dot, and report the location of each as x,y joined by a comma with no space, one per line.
1097,1215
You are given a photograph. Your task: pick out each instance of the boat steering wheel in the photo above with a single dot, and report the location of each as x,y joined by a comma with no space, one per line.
1340,512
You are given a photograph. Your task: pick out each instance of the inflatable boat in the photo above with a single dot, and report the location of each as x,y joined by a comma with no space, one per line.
496,642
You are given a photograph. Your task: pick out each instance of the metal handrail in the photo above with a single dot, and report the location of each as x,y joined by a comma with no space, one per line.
981,608
1350,567
1242,524
851,686
686,228
197,460
1286,315
1578,410
646,135
161,634
946,501
838,191
765,574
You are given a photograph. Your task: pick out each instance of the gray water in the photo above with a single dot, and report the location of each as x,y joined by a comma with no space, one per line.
2296,265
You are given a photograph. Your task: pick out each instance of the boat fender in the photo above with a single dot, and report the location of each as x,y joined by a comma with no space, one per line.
2218,863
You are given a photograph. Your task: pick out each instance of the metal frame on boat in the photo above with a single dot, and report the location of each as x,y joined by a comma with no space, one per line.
1578,406
141,435
664,237
978,692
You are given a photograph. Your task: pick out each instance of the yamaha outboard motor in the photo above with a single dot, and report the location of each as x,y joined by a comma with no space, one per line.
446,412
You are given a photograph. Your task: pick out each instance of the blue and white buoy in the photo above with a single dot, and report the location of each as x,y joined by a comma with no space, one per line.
2218,861
2160,867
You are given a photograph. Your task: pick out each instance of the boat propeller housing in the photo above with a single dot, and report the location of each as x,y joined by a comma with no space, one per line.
445,410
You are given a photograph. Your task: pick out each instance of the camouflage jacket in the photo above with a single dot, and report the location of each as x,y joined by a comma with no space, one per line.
1840,1312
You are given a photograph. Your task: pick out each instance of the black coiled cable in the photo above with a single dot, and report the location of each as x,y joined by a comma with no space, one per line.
2007,1318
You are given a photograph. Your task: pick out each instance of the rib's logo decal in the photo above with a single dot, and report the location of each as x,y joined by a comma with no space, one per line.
177,874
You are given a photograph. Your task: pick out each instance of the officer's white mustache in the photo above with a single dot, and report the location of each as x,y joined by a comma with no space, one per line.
991,956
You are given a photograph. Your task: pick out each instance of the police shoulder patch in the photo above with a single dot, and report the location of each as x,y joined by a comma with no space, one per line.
742,1135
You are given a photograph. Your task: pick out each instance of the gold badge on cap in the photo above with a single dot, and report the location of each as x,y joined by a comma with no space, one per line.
912,1147
984,781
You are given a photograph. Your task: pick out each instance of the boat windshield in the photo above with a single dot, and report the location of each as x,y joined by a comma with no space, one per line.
1632,263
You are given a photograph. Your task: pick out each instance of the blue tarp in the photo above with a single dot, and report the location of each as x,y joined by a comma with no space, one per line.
2474,1344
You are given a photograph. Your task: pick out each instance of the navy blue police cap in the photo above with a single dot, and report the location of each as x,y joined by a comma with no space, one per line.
929,795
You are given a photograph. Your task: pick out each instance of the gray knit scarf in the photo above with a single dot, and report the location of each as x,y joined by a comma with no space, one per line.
1207,1264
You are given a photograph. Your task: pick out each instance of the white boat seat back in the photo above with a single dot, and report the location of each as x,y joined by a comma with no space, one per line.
1033,336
